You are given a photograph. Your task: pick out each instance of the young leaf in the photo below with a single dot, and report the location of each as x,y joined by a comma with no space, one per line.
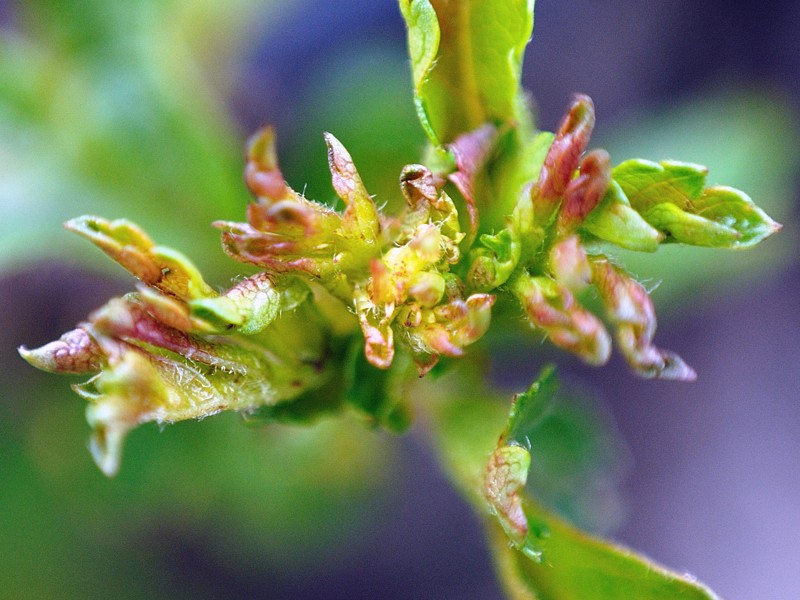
672,197
163,268
577,566
507,470
528,408
423,44
615,221
466,59
506,475
573,565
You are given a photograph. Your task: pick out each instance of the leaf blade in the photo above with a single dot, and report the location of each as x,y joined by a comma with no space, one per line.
672,197
578,566
466,62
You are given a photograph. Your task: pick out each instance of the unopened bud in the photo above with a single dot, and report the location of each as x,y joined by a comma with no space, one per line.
428,288
565,152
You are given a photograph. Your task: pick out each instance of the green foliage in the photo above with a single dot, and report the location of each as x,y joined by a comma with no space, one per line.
466,60
765,166
672,197
529,408
615,221
581,567
354,299
100,111
557,561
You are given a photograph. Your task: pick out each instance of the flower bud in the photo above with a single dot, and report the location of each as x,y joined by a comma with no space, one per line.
584,193
448,328
492,265
428,289
565,152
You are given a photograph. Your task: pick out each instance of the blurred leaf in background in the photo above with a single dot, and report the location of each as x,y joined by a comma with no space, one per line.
111,107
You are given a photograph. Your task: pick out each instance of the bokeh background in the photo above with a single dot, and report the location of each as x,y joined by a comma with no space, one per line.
140,109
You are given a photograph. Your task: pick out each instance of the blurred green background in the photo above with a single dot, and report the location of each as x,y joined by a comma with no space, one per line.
141,109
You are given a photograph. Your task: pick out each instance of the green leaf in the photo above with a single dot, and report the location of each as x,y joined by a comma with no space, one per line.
466,59
615,221
464,422
672,197
647,184
530,407
423,43
759,155
580,567
103,110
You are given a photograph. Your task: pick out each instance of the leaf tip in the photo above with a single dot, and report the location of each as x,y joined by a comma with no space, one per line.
74,353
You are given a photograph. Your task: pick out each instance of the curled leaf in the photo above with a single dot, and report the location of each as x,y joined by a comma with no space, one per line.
361,214
262,175
74,353
160,267
507,470
631,309
552,308
505,477
466,61
471,152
